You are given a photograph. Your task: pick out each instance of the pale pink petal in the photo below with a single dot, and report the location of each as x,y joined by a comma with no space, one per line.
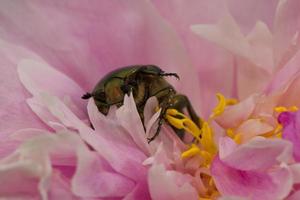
129,118
14,112
140,191
294,196
22,175
169,185
260,39
226,147
255,185
257,154
232,198
108,125
38,77
295,169
84,39
247,13
149,109
290,122
129,165
93,180
110,150
236,114
51,109
284,76
44,114
93,177
289,97
253,127
159,157
286,31
226,34
60,188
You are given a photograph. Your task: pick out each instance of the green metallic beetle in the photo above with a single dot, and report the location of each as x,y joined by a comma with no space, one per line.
144,81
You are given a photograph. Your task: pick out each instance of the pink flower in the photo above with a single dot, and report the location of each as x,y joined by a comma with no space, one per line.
53,52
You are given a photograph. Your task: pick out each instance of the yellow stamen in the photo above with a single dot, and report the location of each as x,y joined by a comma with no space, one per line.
183,123
237,138
281,109
194,150
207,140
223,102
230,133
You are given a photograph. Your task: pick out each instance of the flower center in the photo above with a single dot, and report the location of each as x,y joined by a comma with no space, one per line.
202,151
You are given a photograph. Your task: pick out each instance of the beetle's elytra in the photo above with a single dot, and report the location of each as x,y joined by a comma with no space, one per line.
144,81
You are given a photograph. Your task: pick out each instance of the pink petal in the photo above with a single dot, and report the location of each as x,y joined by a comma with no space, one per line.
168,185
251,184
236,114
260,11
290,122
60,188
257,154
252,128
290,97
295,169
286,31
89,42
284,76
38,78
129,165
294,196
141,191
108,126
129,118
92,180
21,175
15,113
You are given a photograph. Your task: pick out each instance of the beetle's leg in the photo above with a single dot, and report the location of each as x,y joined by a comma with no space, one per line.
160,123
153,70
164,96
169,74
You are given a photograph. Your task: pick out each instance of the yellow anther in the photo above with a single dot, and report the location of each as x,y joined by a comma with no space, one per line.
223,102
293,108
194,150
219,109
279,135
281,109
230,133
207,140
237,138
201,198
184,122
231,102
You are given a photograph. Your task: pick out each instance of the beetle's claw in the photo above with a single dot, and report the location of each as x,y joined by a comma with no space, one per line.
150,140
170,74
87,96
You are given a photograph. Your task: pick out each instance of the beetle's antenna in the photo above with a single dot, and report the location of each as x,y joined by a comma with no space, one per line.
87,96
170,74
